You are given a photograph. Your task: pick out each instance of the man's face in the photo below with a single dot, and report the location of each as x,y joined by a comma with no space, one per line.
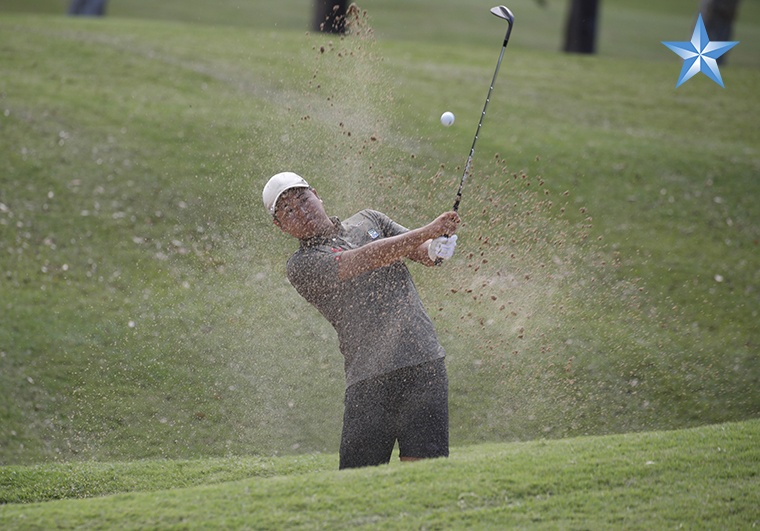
300,213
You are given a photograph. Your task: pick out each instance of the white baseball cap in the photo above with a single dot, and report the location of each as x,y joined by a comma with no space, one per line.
278,184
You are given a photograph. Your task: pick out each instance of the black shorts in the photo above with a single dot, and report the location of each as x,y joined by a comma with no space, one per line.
409,405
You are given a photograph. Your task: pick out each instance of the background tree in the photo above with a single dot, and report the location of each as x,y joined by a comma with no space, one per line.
330,16
719,16
580,30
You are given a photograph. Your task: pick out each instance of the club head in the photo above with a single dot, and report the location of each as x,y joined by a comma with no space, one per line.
503,12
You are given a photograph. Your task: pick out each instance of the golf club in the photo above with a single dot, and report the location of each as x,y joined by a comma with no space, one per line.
506,14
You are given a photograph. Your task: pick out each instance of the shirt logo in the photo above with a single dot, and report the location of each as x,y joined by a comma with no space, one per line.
373,234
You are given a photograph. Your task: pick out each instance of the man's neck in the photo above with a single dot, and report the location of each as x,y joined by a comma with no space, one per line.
329,232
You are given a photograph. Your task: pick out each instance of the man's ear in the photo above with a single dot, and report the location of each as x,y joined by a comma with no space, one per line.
277,223
314,191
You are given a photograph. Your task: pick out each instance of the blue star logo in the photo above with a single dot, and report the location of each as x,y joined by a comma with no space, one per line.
700,55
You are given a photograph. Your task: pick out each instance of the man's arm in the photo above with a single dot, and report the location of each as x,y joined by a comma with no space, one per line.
386,251
421,256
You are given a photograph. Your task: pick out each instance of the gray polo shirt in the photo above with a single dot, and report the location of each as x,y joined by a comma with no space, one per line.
378,315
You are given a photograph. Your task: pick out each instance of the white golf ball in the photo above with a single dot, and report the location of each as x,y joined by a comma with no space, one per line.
447,118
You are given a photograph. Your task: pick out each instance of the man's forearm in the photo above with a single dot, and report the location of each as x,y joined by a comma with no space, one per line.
384,252
421,256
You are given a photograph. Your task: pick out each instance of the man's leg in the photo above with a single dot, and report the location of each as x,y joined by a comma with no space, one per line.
368,425
424,416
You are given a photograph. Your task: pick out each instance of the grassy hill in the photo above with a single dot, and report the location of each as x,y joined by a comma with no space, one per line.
626,29
704,478
607,277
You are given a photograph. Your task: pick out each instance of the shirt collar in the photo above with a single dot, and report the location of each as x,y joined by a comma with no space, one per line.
325,240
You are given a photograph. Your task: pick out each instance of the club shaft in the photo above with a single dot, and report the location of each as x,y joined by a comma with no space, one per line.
480,122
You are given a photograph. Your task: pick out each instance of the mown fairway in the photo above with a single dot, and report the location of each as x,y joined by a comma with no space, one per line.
701,478
608,274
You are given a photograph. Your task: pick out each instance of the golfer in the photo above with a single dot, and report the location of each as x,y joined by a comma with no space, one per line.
353,272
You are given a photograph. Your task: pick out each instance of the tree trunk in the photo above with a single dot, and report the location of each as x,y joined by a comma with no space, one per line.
719,16
330,16
580,31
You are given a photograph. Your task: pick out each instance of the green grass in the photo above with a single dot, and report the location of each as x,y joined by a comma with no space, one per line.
705,478
606,280
626,29
148,313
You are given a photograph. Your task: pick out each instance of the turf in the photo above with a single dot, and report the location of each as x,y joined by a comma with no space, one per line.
607,274
705,477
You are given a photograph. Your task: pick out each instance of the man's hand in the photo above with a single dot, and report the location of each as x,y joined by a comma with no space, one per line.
442,248
444,225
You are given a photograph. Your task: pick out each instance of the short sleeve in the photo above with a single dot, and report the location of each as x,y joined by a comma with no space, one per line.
387,225
313,272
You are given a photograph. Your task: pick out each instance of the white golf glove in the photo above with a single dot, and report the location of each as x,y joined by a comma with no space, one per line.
442,248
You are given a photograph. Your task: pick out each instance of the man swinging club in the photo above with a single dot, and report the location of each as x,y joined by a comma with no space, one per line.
353,272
